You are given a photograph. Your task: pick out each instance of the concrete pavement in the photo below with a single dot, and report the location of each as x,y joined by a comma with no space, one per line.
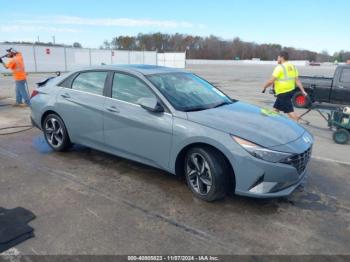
88,202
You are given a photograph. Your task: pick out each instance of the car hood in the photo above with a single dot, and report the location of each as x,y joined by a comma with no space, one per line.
249,122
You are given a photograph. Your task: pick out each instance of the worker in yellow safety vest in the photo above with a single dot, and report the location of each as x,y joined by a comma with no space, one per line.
284,78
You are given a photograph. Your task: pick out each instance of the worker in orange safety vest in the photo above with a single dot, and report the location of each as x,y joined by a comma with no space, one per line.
16,65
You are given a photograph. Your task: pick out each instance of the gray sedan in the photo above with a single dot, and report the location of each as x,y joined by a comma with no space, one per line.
176,121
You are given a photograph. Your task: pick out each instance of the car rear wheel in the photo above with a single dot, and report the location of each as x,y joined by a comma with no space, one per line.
300,101
341,136
206,173
55,133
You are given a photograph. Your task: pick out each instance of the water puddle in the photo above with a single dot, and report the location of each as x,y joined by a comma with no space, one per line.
311,201
40,144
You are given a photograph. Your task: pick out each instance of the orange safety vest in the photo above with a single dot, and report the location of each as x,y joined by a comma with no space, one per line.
16,65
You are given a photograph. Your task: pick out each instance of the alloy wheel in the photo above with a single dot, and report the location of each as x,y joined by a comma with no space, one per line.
199,174
54,132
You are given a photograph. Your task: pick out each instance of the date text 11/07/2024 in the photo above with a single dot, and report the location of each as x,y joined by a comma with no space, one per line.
173,258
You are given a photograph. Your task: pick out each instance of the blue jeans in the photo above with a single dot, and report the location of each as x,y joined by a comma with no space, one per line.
22,92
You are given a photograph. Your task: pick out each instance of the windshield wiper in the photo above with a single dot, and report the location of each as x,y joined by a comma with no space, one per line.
196,109
207,107
222,104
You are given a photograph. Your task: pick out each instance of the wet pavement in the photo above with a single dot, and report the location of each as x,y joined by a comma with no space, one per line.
89,202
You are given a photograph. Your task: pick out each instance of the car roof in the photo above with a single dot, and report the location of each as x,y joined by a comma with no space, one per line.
143,69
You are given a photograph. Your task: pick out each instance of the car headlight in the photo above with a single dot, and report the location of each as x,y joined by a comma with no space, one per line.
261,152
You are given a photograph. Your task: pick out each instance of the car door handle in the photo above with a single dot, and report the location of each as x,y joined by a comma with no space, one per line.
340,87
112,109
66,95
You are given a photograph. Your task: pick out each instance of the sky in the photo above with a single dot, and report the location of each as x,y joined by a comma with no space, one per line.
316,25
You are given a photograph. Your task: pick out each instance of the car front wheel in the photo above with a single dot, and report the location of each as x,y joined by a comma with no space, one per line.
55,133
206,173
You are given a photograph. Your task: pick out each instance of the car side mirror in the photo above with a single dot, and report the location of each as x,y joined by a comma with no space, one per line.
151,104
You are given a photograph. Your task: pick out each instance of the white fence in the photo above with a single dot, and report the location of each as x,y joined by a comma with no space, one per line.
239,62
50,59
177,60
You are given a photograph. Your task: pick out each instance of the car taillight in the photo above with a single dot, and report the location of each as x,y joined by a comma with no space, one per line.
34,93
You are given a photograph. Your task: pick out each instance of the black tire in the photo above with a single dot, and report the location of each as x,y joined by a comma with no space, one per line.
57,139
341,136
218,173
301,101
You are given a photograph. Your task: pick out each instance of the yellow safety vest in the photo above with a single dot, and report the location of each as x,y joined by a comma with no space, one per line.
285,75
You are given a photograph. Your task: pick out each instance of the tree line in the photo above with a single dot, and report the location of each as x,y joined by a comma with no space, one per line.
213,47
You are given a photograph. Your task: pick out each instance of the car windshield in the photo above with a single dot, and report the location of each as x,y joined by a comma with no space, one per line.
188,92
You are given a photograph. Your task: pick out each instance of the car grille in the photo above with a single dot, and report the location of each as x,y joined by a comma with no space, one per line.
299,161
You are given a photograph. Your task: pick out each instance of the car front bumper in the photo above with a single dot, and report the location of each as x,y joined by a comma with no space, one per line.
261,179
273,189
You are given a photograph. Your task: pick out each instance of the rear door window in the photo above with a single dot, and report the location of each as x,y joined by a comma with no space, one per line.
90,82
